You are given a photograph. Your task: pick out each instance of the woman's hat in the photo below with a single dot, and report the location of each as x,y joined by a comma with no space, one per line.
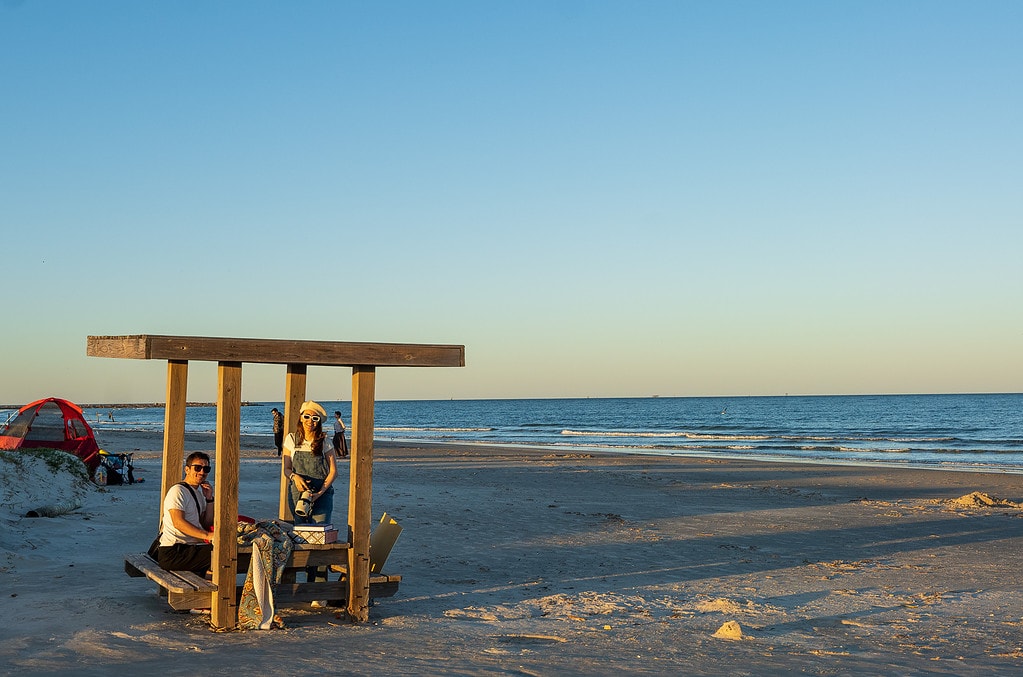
312,406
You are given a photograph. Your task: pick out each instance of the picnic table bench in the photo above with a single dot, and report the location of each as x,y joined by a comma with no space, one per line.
186,590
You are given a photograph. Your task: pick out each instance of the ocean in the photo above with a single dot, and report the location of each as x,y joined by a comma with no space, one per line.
965,432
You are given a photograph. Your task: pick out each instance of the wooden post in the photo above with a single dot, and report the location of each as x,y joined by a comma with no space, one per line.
360,491
173,428
294,396
224,614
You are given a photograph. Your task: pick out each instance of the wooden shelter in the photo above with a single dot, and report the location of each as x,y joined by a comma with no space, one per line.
230,353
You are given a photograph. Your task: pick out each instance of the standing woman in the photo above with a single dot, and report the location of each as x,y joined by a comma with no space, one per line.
310,465
340,444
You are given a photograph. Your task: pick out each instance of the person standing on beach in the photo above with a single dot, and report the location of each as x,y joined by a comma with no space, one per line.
187,517
309,465
339,441
278,429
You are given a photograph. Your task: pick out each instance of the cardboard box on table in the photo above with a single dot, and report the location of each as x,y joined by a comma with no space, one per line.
315,533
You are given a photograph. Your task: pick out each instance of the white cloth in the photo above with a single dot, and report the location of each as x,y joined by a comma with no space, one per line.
272,546
261,578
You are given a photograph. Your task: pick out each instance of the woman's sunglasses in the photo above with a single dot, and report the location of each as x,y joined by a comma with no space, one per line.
310,417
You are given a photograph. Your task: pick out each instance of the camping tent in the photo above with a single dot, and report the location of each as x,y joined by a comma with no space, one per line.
55,424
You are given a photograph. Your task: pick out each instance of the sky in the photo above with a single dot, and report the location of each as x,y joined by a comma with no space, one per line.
597,199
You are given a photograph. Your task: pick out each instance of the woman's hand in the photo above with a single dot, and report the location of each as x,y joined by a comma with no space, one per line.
300,482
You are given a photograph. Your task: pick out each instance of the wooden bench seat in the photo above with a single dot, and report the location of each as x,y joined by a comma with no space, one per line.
185,590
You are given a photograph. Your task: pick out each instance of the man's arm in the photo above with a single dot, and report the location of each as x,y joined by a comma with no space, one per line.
186,527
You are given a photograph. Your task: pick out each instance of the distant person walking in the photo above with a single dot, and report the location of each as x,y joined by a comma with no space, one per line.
278,430
339,441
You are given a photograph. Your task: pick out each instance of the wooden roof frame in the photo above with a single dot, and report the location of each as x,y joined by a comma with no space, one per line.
297,356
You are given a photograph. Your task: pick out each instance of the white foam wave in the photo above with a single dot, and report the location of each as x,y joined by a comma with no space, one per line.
435,430
874,451
685,435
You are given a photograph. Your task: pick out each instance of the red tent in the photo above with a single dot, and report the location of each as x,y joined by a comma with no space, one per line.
55,424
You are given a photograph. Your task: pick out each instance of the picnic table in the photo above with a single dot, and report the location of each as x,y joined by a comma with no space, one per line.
351,557
185,590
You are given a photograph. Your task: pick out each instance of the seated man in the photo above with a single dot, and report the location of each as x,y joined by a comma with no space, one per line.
187,516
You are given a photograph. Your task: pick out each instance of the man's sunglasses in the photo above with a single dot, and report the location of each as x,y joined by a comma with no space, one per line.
311,417
200,468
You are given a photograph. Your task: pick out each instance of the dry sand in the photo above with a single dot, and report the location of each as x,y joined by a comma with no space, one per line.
528,562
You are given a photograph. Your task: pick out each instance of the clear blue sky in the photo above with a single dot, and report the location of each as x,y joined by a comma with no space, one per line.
596,198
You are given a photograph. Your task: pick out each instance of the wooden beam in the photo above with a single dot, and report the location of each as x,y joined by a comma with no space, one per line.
224,613
294,396
275,351
173,428
360,491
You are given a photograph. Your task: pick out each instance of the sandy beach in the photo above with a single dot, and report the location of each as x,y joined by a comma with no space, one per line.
531,562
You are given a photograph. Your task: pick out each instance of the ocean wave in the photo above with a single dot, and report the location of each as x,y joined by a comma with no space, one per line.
433,430
811,438
685,435
873,450
841,449
856,438
918,440
125,429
